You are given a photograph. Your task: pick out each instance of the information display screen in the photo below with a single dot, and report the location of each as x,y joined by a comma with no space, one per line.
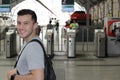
67,5
5,5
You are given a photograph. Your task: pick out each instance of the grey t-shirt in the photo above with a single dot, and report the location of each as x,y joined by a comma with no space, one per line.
49,26
31,58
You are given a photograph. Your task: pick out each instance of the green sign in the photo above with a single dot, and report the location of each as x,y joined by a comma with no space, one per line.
5,5
67,5
67,2
2,2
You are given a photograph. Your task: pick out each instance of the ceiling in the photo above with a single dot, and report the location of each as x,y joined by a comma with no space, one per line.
91,2
81,2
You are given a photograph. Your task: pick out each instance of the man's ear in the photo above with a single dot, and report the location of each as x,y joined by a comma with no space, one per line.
35,25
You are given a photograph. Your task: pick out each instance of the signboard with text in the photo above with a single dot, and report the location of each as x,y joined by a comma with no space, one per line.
4,5
67,5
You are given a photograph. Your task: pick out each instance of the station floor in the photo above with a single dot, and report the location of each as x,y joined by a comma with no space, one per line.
83,67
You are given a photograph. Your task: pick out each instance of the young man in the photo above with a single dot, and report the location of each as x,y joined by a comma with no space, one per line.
30,65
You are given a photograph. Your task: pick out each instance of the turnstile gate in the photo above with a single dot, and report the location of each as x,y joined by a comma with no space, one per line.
50,46
71,43
10,44
101,48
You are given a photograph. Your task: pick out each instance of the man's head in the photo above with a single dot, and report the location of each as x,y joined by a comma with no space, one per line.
27,24
26,12
50,21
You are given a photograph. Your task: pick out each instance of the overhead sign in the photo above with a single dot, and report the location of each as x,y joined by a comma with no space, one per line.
67,5
5,5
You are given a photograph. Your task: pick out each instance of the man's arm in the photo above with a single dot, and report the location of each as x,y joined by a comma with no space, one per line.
34,75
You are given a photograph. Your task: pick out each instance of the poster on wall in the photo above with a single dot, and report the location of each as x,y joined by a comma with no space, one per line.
67,5
5,5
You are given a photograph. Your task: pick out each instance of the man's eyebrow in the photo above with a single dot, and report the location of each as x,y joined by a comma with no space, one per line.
23,21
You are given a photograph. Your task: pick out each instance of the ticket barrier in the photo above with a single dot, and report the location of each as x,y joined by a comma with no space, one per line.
71,43
50,40
101,45
10,44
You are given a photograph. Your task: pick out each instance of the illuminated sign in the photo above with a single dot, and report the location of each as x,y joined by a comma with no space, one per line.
4,5
67,5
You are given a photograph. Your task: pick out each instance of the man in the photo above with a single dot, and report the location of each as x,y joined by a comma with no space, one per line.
57,25
30,65
38,30
50,26
74,25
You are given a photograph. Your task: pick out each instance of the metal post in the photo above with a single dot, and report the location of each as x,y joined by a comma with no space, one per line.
87,20
0,39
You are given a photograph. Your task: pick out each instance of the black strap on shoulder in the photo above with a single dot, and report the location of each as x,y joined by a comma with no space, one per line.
19,56
34,40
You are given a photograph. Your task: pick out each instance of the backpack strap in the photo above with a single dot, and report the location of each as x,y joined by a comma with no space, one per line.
19,56
35,40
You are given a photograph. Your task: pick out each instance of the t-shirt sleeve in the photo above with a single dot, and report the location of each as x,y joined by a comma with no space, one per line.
35,56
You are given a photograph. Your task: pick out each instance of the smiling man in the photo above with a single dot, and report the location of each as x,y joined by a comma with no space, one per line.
30,64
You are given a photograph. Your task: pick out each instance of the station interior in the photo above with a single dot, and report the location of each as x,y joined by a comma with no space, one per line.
89,52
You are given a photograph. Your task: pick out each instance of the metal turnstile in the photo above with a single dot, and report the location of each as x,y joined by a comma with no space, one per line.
10,44
71,43
101,46
50,40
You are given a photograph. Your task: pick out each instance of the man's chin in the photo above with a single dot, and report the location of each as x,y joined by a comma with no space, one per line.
22,36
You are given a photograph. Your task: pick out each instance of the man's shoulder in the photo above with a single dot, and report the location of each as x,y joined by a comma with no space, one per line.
49,25
34,42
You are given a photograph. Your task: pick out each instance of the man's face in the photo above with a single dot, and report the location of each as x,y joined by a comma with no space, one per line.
25,26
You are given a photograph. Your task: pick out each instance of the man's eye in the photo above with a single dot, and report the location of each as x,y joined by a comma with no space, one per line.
18,23
25,23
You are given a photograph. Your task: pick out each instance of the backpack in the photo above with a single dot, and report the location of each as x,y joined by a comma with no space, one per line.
49,73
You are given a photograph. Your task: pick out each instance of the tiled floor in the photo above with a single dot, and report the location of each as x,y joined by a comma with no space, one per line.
88,68
79,68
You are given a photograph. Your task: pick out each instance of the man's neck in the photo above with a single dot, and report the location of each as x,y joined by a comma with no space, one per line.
28,39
